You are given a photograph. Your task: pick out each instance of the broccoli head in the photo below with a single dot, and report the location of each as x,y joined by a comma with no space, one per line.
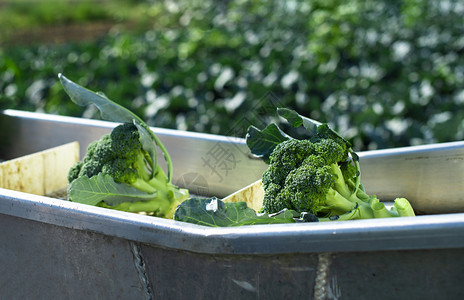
123,157
121,170
321,176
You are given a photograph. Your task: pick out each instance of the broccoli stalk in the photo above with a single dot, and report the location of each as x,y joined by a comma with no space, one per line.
344,204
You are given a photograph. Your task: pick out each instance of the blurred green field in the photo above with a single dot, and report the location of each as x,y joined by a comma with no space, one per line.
383,73
50,21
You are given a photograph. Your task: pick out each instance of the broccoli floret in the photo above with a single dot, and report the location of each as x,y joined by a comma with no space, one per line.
288,156
321,176
121,155
74,171
98,154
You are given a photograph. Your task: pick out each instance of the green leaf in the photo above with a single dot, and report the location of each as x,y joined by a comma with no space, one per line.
216,213
109,110
262,142
103,188
297,120
312,126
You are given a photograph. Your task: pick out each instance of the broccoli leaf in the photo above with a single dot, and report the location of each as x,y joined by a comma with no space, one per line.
216,213
103,188
297,120
109,110
262,142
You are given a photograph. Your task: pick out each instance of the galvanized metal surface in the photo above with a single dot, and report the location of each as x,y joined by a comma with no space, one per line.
45,261
389,275
58,249
431,177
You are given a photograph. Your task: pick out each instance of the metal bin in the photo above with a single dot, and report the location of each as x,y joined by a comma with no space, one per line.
55,249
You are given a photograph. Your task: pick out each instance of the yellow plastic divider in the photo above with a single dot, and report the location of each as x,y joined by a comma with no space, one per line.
252,194
40,173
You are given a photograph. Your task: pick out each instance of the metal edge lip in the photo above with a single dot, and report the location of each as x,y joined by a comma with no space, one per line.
55,118
421,232
107,124
412,149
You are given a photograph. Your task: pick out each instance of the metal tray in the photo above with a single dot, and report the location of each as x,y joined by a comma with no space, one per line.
51,248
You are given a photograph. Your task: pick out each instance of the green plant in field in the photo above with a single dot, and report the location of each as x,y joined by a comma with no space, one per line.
38,16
